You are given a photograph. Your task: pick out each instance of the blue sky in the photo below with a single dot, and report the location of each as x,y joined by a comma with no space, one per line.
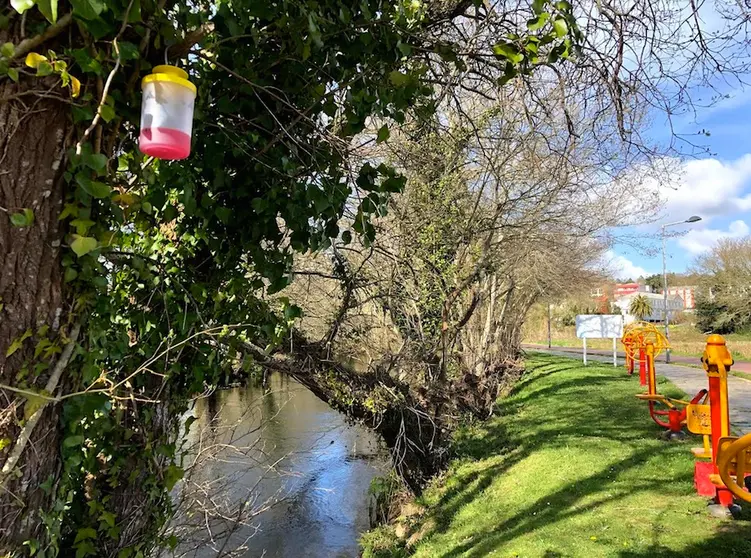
716,186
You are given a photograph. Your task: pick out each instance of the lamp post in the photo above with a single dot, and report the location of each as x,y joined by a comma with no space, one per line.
692,219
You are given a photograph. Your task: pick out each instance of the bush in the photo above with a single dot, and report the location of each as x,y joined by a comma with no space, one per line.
712,317
382,542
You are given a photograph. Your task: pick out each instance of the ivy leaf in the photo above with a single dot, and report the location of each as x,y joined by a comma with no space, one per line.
108,518
71,441
85,532
82,245
7,50
32,405
33,59
95,189
383,134
44,69
346,237
88,9
107,112
21,5
48,9
95,161
13,74
128,51
70,274
172,474
33,545
23,219
18,343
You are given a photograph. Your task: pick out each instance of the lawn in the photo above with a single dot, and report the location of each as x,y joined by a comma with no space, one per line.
685,340
572,466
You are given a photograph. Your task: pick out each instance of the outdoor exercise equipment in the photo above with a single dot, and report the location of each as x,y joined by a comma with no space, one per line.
734,464
714,420
674,415
636,335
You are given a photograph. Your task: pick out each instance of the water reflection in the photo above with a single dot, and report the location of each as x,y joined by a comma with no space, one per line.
298,467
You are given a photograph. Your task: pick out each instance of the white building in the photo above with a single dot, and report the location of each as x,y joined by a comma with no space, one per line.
675,305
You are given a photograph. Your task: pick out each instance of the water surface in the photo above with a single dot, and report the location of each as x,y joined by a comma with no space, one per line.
299,465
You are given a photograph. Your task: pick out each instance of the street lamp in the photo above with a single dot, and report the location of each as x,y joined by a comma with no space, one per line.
692,219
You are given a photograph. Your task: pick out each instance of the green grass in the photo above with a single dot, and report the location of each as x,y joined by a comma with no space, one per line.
573,466
742,375
685,340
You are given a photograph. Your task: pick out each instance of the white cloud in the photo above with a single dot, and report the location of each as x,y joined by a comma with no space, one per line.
707,187
621,267
697,241
676,190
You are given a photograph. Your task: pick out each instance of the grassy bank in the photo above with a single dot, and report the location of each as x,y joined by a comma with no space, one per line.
684,339
571,466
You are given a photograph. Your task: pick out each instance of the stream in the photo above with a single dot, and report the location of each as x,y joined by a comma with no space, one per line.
288,459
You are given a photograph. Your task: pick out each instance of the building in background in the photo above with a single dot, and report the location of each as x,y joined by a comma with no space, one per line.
656,301
687,294
625,289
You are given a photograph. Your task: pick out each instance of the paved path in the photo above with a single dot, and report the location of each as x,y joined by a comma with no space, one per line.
688,378
678,359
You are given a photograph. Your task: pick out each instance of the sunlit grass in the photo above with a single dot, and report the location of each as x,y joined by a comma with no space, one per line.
685,340
573,466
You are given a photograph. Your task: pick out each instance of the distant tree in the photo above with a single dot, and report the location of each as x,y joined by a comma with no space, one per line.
654,282
640,307
724,298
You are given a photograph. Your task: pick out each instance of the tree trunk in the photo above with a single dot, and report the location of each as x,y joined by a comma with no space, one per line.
33,132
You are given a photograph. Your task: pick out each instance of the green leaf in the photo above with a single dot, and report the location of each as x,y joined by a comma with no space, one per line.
70,274
108,518
84,533
88,9
224,214
23,219
95,161
383,134
172,474
128,51
44,68
14,346
399,79
69,442
48,9
13,74
33,545
508,51
346,237
95,189
7,50
82,245
538,6
560,26
21,5
82,225
538,22
107,112
32,405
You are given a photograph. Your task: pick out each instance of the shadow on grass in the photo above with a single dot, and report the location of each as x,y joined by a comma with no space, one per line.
576,410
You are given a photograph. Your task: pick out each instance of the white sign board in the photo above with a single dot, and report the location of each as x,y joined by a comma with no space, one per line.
595,326
599,326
